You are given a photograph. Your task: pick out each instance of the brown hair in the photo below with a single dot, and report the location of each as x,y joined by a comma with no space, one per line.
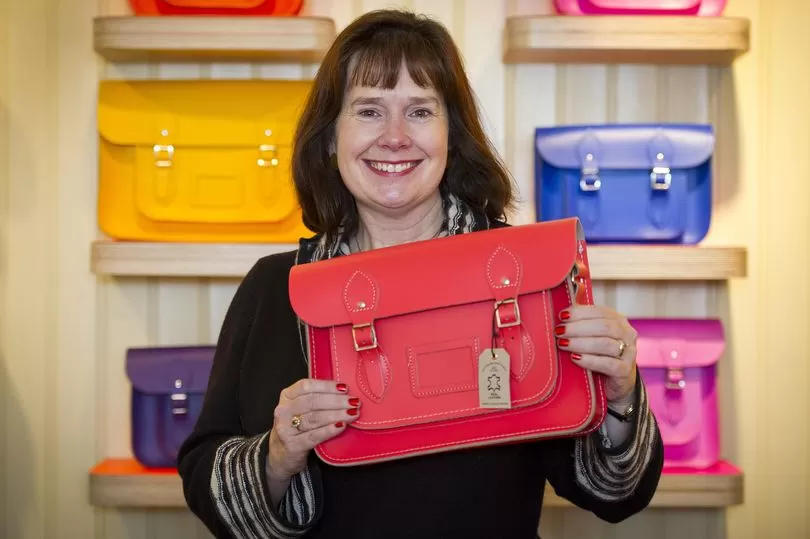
377,42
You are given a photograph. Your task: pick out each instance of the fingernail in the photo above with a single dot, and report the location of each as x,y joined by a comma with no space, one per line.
559,330
563,342
576,357
339,424
354,401
343,388
352,411
565,315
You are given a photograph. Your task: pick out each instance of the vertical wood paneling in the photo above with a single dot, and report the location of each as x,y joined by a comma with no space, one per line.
30,316
785,320
5,223
64,332
74,350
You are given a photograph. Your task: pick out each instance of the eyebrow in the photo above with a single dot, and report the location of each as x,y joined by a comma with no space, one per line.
378,100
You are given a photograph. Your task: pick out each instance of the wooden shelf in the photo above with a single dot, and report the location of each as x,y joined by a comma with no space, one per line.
125,483
187,38
608,263
625,39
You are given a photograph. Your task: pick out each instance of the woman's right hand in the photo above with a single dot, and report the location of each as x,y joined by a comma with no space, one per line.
322,409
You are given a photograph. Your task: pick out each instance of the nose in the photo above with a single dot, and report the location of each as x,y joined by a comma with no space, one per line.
395,133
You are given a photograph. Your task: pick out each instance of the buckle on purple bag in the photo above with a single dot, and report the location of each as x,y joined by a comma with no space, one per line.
179,399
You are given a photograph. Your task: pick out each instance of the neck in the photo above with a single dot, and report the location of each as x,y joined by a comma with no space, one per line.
377,230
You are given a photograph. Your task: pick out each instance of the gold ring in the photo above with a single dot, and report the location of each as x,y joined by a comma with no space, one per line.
622,346
296,422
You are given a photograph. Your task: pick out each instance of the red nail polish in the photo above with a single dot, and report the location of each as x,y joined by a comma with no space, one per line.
339,424
352,411
559,330
343,388
354,401
563,342
576,357
565,315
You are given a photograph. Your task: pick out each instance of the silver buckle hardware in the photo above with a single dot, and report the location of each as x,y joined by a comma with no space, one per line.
179,400
660,177
675,375
589,177
373,344
498,322
164,154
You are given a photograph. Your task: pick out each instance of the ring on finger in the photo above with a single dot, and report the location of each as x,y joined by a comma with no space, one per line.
296,422
622,346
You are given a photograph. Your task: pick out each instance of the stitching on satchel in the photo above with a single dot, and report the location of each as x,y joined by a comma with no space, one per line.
492,281
346,293
412,369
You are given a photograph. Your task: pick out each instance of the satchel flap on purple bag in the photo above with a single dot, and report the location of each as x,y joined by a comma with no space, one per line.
171,369
626,146
673,343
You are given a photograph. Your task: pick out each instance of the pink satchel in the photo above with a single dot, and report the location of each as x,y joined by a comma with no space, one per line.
701,8
677,359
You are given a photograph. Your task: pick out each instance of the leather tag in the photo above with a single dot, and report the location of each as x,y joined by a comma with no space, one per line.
493,379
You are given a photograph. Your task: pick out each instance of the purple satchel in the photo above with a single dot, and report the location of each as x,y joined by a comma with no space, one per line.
677,359
168,384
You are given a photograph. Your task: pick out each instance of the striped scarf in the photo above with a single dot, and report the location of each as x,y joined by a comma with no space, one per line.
459,218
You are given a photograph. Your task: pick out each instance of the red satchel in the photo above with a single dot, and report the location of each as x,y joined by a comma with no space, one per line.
449,343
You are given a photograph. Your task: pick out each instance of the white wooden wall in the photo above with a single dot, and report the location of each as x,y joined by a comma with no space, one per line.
63,331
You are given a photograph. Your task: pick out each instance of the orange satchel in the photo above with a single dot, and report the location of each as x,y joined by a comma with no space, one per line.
449,343
199,160
217,7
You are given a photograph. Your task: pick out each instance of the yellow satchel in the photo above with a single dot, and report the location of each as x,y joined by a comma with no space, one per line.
199,160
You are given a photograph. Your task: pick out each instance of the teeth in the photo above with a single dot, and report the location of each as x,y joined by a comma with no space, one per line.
390,167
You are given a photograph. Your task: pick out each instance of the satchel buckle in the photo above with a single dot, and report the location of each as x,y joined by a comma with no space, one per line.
267,160
675,379
589,179
164,153
660,178
502,325
179,400
373,344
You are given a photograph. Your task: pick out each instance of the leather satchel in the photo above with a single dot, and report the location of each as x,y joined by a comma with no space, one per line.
627,183
168,387
217,7
449,343
701,8
677,359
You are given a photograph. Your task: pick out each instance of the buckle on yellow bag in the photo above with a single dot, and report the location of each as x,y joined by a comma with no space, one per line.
164,153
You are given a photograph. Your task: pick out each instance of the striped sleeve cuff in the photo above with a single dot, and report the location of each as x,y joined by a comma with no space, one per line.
240,493
612,474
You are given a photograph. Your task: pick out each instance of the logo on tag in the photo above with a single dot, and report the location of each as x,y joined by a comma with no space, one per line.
493,379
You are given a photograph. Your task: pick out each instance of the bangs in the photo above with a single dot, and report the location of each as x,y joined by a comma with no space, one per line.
378,61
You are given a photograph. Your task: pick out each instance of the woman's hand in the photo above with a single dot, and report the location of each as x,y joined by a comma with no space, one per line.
602,340
309,412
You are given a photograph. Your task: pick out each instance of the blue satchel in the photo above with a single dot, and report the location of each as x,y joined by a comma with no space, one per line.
627,183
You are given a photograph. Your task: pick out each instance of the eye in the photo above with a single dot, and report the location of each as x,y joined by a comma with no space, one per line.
367,113
422,113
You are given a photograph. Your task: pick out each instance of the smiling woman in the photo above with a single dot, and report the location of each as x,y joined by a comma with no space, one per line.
390,150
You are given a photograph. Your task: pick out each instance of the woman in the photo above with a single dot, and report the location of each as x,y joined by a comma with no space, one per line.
389,149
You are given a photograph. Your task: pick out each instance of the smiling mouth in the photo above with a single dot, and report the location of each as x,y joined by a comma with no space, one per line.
388,168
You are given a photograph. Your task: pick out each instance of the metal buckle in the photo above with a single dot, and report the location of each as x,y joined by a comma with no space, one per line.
660,178
265,148
161,161
589,178
373,344
498,314
179,400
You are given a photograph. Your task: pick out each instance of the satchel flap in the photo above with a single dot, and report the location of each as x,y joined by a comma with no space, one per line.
626,146
425,275
205,113
677,343
220,4
166,370
659,5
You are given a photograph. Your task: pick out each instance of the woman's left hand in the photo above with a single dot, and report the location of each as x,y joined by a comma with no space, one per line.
601,340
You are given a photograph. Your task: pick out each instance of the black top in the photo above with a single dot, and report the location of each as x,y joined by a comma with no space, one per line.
493,492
